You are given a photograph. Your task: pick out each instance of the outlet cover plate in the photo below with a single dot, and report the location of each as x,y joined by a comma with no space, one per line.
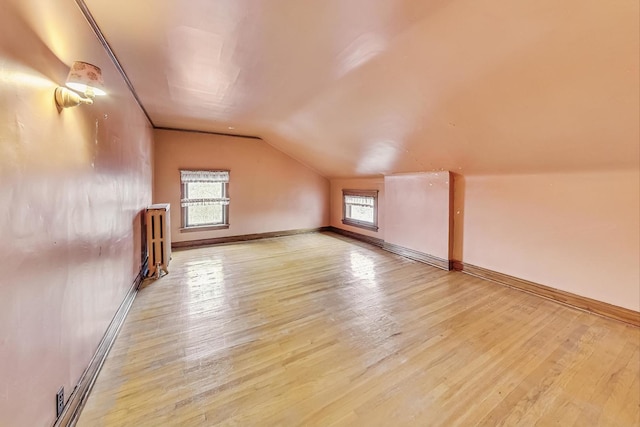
59,401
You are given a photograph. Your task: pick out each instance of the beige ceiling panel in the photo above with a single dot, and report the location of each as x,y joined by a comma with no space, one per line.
378,87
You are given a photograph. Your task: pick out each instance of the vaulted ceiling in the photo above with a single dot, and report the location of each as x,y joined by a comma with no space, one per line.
368,87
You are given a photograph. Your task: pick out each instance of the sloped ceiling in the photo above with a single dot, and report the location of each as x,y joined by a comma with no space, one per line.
368,87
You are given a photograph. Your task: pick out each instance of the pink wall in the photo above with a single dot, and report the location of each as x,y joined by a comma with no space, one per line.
578,232
338,184
269,190
417,212
72,187
413,210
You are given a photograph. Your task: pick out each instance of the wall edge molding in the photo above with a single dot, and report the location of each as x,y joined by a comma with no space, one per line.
396,249
579,302
112,56
207,132
78,397
189,244
375,241
418,256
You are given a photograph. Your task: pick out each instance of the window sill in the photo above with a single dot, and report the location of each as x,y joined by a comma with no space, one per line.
366,226
204,228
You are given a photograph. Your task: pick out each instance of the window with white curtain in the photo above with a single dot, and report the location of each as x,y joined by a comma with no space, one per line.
360,208
205,198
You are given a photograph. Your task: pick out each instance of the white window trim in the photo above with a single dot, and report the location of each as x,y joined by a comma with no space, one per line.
211,176
356,223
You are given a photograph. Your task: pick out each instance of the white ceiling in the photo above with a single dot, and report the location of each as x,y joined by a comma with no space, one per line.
367,87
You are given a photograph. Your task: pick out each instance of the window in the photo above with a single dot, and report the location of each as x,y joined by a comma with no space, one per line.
360,208
205,199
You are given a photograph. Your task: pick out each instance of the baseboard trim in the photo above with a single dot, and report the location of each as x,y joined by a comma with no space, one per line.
418,256
611,311
375,241
80,394
189,244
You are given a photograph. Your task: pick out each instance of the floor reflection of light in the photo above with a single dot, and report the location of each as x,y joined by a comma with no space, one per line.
375,322
206,287
363,267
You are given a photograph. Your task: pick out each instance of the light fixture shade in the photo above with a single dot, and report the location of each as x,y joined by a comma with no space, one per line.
86,78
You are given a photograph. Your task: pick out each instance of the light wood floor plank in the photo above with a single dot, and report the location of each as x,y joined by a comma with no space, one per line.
317,329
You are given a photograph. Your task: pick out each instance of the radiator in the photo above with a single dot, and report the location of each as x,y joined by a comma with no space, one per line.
158,238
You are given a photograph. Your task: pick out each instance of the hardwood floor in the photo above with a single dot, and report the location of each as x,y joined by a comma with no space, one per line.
318,329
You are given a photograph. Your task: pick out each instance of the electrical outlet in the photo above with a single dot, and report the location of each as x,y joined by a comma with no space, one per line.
59,401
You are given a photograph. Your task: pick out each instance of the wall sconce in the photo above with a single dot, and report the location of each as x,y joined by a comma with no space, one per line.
84,78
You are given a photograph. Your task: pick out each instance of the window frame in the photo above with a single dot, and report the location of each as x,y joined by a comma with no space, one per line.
185,209
371,226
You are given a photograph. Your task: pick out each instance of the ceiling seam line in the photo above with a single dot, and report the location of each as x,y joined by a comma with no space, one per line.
94,26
